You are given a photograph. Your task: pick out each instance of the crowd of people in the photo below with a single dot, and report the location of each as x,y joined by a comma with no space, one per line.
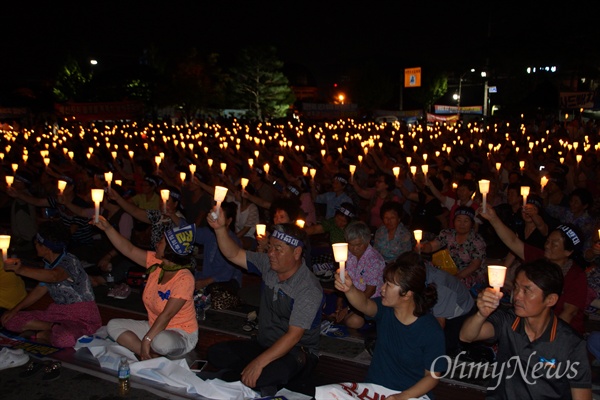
373,186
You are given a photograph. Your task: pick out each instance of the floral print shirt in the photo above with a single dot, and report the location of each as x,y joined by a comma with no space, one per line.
390,249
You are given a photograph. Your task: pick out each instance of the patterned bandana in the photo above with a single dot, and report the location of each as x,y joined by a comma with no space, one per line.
284,237
570,234
164,268
181,239
345,211
293,190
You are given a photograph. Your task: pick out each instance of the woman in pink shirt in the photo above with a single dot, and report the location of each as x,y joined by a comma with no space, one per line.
172,328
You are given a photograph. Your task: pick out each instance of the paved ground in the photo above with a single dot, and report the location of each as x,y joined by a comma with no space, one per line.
71,385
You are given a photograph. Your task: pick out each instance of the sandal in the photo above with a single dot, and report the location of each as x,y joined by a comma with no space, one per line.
31,369
52,371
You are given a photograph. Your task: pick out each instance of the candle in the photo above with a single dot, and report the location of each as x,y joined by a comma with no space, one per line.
108,177
484,188
192,169
396,171
313,172
118,182
10,180
210,162
408,160
340,253
280,159
524,193
496,276
543,181
498,166
425,169
164,195
352,171
413,169
97,196
261,229
304,170
220,193
266,168
223,167
61,186
4,244
250,162
418,236
182,177
244,182
14,168
300,223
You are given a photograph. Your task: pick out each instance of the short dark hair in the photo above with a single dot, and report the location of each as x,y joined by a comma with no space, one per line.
409,272
586,197
545,274
55,233
468,183
391,206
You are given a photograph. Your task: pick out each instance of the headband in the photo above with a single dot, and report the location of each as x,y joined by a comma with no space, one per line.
175,195
54,247
536,202
570,233
181,239
465,211
284,237
151,180
341,179
293,190
345,211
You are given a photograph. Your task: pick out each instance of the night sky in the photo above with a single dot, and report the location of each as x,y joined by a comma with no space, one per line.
327,37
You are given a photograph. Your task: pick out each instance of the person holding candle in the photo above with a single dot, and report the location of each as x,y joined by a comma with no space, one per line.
73,312
289,317
12,289
410,342
533,342
247,217
466,247
171,329
365,267
563,247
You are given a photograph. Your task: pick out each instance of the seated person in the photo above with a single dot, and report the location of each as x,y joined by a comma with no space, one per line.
409,339
365,267
563,247
12,289
322,253
289,318
74,312
533,343
172,328
392,238
453,306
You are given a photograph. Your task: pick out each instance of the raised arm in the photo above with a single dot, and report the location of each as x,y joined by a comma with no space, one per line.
138,213
123,245
229,248
508,237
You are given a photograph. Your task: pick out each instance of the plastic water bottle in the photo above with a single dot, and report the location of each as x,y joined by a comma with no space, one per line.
124,374
110,279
